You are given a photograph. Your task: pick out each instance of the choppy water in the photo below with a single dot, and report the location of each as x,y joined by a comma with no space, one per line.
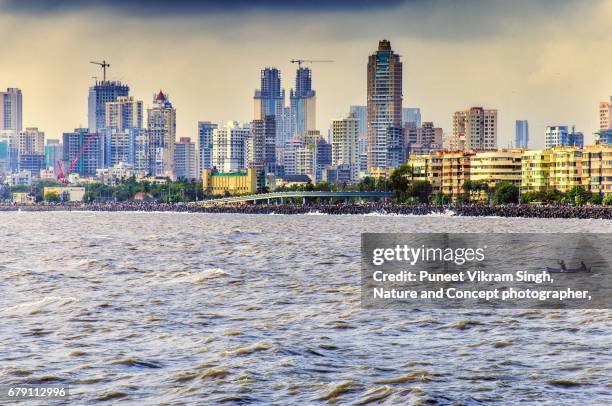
169,308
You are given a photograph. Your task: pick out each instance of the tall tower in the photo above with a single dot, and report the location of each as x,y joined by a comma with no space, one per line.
123,113
345,144
161,125
476,127
11,110
99,94
269,100
384,106
521,137
303,104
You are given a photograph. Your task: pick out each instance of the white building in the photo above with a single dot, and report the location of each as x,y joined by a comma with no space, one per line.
605,115
229,151
161,125
185,159
31,142
345,144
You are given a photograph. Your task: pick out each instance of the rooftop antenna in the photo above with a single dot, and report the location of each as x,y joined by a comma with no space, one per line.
103,65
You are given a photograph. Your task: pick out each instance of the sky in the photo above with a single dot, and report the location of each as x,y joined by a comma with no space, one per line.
545,61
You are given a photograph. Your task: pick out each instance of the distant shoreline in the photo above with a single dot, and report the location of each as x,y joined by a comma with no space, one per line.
529,211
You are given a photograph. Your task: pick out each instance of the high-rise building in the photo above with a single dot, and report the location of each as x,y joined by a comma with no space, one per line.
521,137
477,128
269,100
384,93
11,110
324,157
53,153
31,141
345,144
129,146
102,92
185,165
91,158
205,145
605,115
560,136
229,151
124,112
422,140
303,104
31,151
361,112
411,115
161,126
263,137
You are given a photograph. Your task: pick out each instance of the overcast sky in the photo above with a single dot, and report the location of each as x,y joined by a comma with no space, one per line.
545,61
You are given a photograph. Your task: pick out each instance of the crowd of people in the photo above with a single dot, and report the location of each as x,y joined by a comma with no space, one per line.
513,210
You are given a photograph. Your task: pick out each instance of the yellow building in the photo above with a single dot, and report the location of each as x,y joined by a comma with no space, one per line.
429,168
535,170
22,198
233,183
71,194
494,167
565,168
456,169
597,169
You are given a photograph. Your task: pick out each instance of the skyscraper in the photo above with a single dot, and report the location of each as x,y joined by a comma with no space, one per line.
99,94
53,153
263,134
303,104
124,112
384,93
229,152
476,128
161,126
521,137
345,144
91,159
411,115
185,157
11,110
269,100
205,145
31,151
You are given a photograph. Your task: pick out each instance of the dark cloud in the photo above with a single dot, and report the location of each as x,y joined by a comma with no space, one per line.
188,7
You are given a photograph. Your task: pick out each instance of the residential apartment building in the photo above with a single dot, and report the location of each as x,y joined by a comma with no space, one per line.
123,113
605,115
535,170
475,129
493,167
345,144
428,167
229,151
185,159
597,169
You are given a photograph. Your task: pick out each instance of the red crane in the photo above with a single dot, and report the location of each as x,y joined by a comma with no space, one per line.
63,176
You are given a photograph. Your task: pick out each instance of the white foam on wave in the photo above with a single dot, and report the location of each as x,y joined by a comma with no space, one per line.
38,305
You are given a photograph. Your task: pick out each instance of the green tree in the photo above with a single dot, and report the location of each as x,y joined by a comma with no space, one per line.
607,200
420,190
552,196
505,193
400,181
532,196
578,195
440,198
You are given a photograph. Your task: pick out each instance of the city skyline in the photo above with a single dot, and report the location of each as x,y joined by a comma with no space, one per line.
555,80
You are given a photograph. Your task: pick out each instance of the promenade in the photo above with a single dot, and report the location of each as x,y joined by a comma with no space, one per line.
534,211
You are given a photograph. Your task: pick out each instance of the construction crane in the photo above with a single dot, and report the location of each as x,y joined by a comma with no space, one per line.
63,176
103,65
301,61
